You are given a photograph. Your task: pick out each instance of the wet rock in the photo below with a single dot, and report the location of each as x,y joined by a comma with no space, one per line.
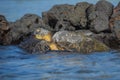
78,41
34,45
99,17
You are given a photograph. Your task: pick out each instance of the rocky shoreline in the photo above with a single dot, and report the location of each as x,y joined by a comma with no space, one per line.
83,27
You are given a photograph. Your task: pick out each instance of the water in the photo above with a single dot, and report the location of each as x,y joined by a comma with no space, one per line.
16,64
15,9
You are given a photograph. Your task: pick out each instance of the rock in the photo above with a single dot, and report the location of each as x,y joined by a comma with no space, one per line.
99,16
23,28
4,28
90,9
117,8
105,7
117,28
98,22
58,16
3,23
64,25
32,22
115,21
78,41
67,17
78,16
34,45
29,22
108,39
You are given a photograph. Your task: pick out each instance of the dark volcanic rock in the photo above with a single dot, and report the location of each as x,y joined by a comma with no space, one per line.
22,28
99,21
58,15
99,16
105,7
109,39
67,17
4,28
79,17
117,28
64,25
115,21
3,23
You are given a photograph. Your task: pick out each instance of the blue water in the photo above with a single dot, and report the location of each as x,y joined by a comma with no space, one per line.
16,64
15,9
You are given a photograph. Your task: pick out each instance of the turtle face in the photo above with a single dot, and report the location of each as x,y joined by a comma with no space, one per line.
43,34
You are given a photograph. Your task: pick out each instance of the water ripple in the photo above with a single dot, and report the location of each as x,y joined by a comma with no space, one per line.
15,64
